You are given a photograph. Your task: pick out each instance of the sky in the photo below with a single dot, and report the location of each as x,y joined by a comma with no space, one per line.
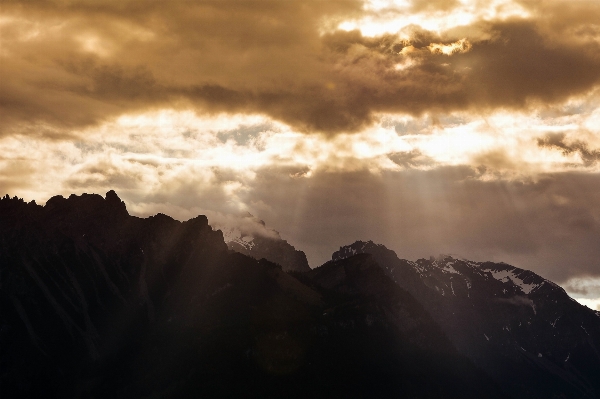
461,127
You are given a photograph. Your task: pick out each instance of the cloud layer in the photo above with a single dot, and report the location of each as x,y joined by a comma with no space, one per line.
76,63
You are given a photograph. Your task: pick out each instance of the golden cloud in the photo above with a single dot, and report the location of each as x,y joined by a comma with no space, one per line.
67,65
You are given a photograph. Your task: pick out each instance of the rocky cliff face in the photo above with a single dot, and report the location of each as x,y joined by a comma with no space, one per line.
97,303
523,330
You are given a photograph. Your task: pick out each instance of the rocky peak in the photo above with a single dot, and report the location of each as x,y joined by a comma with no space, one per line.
88,205
250,236
362,247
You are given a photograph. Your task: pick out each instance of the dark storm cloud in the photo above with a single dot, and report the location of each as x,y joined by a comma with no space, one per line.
411,159
520,64
558,141
74,64
77,63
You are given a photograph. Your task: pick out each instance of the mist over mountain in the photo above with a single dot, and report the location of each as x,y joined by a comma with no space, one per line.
249,235
95,302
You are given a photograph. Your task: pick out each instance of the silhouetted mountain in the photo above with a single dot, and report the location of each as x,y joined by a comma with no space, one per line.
420,360
250,236
81,281
523,330
97,303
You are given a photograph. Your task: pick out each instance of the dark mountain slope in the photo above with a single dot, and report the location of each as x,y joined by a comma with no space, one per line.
81,279
97,303
419,354
523,330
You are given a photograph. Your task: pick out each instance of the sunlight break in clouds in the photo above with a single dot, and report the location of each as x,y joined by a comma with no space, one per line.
461,46
585,290
143,151
393,16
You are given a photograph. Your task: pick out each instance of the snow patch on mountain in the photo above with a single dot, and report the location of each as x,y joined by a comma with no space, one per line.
418,268
448,268
250,236
235,235
513,276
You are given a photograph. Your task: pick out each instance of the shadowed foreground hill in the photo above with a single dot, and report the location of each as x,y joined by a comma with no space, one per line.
97,303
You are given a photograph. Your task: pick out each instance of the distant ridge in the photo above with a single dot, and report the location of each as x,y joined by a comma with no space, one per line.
251,237
522,329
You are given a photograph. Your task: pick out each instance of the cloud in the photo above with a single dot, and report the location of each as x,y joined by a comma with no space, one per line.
410,159
559,141
75,64
14,175
583,287
460,46
517,300
436,5
241,225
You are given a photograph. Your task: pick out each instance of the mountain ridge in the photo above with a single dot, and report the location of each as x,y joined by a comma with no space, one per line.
498,314
94,301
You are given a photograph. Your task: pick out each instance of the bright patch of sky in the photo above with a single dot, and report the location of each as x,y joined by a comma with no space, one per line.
151,146
585,290
592,303
392,16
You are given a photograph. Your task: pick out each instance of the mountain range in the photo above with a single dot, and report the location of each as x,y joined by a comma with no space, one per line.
95,302
522,329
